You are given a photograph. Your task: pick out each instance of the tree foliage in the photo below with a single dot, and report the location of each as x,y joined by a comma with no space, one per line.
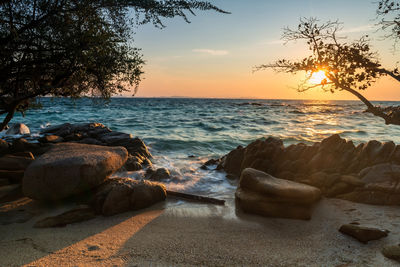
389,13
349,66
75,47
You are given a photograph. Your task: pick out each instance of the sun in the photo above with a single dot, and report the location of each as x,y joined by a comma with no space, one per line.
318,77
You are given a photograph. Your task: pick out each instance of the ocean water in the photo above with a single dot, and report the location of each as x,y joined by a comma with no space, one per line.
183,133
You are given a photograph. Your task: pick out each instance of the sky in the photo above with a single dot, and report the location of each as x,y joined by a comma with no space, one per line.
214,55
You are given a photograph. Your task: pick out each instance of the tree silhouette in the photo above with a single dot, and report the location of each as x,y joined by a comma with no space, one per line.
72,48
351,67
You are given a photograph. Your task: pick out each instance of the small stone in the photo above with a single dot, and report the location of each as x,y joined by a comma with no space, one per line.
160,174
18,128
51,139
362,233
392,252
92,248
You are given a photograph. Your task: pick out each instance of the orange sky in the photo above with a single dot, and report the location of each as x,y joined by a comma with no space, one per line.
214,55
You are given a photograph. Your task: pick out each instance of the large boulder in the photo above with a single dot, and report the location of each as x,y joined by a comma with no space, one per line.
119,195
263,194
71,168
18,128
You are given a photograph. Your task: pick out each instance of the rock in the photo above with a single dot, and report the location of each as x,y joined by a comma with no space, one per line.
363,234
381,186
14,163
68,217
114,137
119,195
84,129
134,163
51,139
233,161
338,189
4,147
18,128
263,194
15,216
392,252
91,141
160,174
4,181
21,145
25,154
10,193
71,168
14,177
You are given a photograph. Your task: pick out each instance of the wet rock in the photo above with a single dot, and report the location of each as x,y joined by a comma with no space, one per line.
14,163
119,195
233,161
4,147
363,234
160,174
392,252
135,147
18,128
263,194
68,217
71,168
51,139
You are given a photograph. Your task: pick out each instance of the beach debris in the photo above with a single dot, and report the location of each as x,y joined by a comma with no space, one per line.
72,216
119,195
196,198
18,128
362,233
70,168
392,252
263,194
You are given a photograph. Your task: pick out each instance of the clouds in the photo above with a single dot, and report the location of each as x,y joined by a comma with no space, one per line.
211,52
363,28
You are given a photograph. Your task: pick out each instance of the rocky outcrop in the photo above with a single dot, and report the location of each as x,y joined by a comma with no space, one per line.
158,175
71,168
365,173
98,134
263,194
119,195
362,233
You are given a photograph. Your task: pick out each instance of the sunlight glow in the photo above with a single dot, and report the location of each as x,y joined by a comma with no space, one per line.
318,77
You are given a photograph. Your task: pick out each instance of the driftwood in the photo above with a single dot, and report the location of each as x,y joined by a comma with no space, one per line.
196,197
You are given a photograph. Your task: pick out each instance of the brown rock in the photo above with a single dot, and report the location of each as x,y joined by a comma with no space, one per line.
68,217
363,234
119,195
18,128
14,163
10,193
71,168
265,195
392,252
51,139
12,176
160,174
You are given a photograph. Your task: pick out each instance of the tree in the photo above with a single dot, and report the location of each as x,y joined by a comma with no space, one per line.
72,48
389,12
351,67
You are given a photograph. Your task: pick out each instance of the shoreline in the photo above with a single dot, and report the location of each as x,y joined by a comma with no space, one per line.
199,234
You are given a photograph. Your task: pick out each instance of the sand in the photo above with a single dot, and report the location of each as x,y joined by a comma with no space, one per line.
185,234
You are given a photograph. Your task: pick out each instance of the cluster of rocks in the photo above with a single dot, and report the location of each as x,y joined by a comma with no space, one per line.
368,173
76,162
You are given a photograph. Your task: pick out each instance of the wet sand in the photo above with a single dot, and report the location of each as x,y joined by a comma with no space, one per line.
176,234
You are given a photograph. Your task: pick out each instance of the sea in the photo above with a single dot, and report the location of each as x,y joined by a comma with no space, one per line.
183,133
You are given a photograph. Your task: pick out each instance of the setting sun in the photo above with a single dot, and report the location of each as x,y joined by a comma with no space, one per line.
318,77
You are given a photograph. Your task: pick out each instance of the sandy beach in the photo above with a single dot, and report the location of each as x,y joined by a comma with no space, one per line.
184,234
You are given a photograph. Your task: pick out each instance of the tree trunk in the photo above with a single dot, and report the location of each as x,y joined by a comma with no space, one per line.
371,108
8,118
